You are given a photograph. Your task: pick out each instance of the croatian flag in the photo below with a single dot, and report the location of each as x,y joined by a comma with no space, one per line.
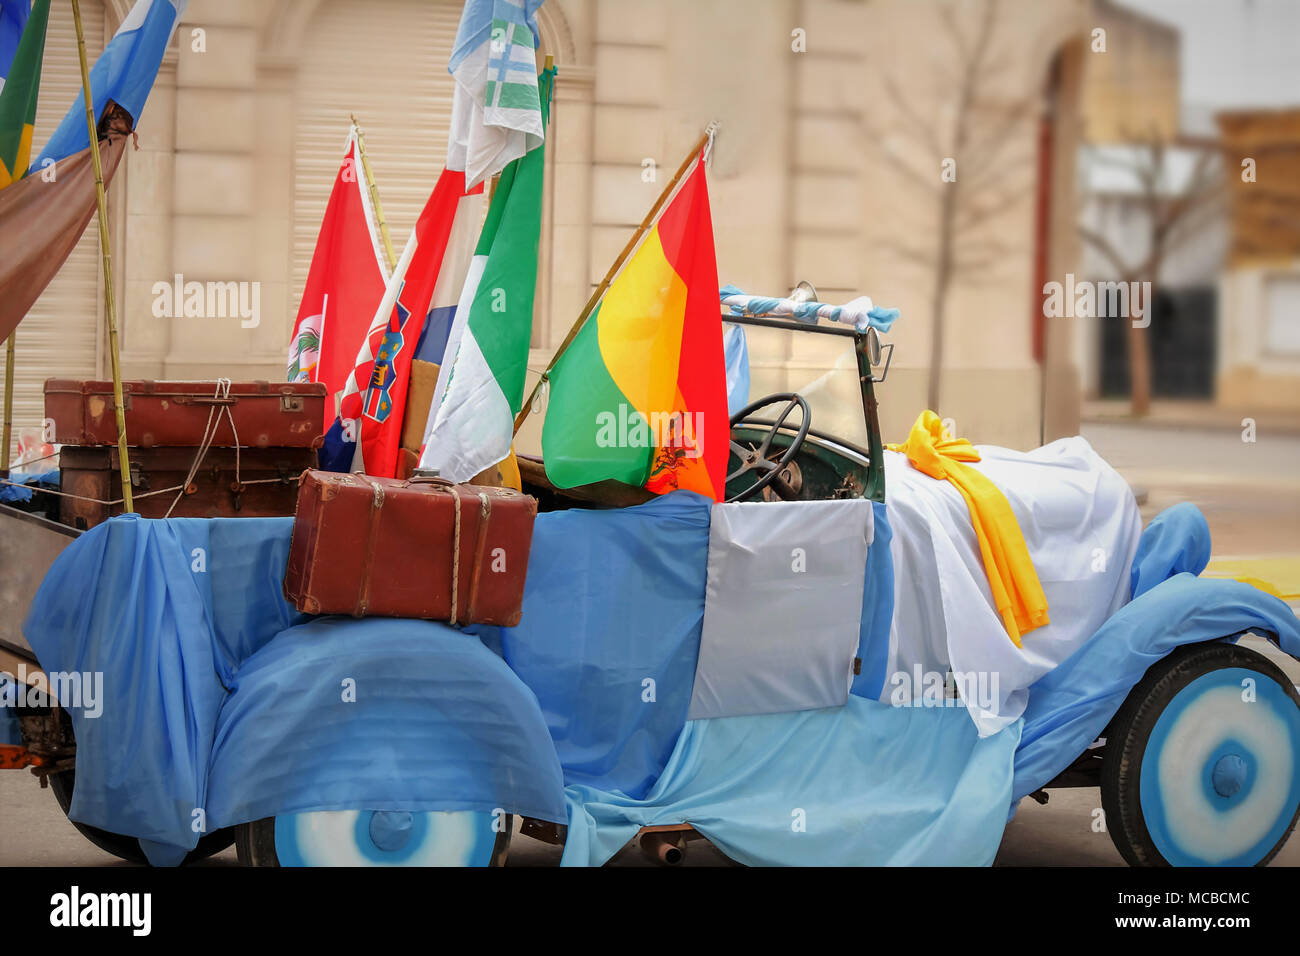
411,321
124,73
348,276
496,115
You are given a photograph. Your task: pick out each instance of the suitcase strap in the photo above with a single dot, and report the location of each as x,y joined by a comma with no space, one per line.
372,539
480,540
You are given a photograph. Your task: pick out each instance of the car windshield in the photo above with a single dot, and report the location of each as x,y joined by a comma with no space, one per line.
821,368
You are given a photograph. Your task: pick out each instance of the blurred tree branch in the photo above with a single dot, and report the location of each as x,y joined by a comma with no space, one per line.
1171,218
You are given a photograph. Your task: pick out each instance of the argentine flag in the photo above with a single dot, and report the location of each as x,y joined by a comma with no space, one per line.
124,73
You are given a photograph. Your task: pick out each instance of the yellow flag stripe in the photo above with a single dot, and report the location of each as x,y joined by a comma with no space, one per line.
639,328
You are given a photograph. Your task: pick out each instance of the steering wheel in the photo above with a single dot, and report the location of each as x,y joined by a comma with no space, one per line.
756,459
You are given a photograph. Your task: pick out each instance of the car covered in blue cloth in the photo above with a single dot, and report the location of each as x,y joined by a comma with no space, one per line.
810,672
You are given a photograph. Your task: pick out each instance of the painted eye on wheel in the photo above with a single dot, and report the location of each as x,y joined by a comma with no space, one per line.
377,838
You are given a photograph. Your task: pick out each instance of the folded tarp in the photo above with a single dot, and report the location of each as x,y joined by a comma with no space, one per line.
860,785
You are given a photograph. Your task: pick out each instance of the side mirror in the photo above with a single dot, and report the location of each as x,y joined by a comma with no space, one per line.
873,347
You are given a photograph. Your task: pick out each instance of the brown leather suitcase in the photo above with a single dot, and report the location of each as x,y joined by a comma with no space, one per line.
158,414
267,487
423,548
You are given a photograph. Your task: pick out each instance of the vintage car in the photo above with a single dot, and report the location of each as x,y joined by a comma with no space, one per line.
817,738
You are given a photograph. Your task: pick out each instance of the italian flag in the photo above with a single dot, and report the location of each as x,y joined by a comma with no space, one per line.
18,97
481,382
640,396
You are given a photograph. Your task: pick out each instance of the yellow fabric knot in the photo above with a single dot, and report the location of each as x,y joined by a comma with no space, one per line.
1013,581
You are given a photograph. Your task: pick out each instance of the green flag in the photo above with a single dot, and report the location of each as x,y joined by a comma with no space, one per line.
18,98
481,385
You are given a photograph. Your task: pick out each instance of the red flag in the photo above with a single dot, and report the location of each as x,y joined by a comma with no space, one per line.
346,281
425,283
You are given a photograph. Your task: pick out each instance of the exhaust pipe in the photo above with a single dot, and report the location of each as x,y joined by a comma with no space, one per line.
666,848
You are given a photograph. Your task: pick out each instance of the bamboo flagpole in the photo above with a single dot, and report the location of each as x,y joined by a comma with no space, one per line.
374,196
110,302
641,230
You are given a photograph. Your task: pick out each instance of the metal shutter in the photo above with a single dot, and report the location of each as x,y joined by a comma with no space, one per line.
60,337
385,61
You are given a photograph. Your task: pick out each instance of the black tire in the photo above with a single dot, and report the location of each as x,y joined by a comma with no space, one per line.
1130,732
128,847
255,843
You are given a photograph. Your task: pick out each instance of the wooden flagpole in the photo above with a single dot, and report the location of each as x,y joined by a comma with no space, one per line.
613,271
374,196
110,301
9,403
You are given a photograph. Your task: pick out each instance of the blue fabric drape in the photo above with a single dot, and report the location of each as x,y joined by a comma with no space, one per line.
610,634
1070,705
381,714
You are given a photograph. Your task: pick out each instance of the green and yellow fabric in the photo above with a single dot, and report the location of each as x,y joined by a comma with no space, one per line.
18,98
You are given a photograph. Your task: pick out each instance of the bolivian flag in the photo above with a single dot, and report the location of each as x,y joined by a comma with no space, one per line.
640,396
18,98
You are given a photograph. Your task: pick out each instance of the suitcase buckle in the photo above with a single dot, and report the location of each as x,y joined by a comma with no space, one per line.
291,403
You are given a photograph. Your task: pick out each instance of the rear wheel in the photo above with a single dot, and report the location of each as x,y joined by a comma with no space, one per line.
376,838
128,847
1202,762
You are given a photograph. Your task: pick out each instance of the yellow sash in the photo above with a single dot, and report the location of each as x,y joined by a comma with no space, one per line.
1012,579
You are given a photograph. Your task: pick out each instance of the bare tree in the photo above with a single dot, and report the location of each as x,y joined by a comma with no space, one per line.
965,165
1170,218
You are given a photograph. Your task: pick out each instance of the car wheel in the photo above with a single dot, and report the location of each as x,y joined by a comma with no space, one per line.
1202,762
376,838
128,847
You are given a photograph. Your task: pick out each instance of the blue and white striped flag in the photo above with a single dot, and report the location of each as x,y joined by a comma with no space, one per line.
124,73
496,116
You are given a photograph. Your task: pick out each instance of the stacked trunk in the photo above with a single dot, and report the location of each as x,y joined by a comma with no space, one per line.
226,449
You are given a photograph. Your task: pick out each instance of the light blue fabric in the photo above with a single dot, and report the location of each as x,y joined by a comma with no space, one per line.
380,714
123,601
878,318
123,73
1069,706
735,351
871,784
476,24
22,493
610,634
877,609
1176,541
172,613
177,613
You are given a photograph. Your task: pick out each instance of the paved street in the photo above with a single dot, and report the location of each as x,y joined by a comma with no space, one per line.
1251,497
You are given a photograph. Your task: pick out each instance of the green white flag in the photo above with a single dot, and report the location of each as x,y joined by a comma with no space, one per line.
481,383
